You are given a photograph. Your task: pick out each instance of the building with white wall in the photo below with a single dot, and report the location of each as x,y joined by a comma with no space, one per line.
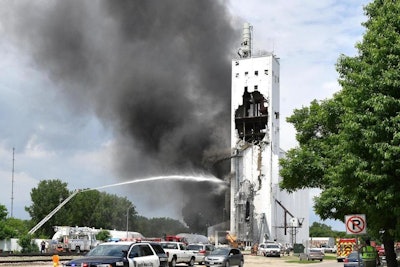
259,209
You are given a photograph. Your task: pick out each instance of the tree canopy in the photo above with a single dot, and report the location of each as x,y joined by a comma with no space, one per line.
88,208
323,230
91,208
11,227
349,145
47,196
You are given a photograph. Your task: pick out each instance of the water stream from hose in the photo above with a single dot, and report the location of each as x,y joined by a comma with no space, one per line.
210,179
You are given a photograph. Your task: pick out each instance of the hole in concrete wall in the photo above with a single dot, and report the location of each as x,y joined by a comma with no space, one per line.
251,117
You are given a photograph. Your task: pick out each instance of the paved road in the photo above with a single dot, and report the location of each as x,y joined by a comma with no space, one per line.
250,261
258,261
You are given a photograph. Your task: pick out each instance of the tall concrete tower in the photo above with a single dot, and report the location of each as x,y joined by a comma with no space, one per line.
259,210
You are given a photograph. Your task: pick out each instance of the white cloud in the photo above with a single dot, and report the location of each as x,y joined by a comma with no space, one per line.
33,149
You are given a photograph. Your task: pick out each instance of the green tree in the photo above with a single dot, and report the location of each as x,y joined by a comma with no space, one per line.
142,226
5,230
349,145
83,209
45,198
11,227
100,210
3,212
19,227
94,209
321,230
87,208
103,235
27,244
110,212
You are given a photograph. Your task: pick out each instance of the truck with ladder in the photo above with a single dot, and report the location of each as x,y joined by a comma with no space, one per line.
74,239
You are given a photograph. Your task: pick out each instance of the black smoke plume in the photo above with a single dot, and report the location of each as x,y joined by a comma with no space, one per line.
156,72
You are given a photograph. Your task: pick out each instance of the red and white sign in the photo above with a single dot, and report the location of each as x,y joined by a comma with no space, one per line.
356,224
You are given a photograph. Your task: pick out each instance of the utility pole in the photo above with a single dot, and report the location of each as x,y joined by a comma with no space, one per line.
127,220
12,185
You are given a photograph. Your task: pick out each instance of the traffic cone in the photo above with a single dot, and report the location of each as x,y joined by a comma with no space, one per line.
56,260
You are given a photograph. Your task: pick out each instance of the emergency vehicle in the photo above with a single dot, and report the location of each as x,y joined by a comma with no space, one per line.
77,239
344,247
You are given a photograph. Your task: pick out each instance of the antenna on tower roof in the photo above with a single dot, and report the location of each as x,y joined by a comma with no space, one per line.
245,48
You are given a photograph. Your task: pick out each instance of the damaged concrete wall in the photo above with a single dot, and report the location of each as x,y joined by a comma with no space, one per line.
255,214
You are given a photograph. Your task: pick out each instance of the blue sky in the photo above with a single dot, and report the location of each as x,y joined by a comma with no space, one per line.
57,138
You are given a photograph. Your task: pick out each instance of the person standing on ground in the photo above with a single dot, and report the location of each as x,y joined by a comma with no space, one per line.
369,255
43,247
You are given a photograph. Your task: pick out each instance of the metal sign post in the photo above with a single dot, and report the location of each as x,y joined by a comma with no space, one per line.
356,224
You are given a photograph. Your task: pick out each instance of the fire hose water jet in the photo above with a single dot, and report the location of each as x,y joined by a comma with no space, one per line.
211,179
222,185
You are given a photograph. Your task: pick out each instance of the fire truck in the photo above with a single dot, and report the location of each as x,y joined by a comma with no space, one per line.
75,239
344,247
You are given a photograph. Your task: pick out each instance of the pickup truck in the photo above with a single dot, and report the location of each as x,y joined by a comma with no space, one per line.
178,253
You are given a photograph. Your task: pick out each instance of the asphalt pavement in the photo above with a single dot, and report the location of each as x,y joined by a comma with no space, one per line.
249,261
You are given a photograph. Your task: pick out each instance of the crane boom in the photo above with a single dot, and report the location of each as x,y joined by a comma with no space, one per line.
45,219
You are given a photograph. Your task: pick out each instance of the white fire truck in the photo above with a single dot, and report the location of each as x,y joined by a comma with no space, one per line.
76,239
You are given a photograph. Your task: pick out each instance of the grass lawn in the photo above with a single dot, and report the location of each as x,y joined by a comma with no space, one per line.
295,259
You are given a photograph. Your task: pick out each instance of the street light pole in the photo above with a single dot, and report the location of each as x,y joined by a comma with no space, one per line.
127,220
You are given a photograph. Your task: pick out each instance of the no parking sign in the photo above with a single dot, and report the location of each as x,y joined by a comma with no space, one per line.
356,224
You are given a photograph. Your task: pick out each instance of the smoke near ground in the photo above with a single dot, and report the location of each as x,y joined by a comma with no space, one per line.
155,72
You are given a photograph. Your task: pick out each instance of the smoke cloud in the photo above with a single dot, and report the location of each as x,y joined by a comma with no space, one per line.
155,72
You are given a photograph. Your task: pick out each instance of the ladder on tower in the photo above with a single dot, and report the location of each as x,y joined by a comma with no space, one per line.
45,219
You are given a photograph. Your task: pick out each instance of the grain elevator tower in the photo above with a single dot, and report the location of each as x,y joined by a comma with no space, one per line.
259,210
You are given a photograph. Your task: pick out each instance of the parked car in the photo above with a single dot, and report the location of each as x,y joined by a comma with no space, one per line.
123,253
271,250
201,251
221,257
352,260
312,254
